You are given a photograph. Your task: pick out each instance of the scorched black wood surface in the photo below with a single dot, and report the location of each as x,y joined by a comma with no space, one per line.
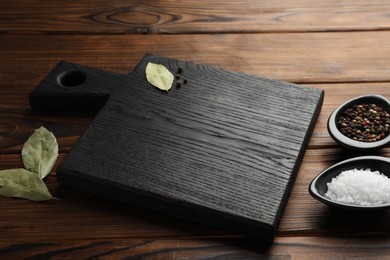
222,149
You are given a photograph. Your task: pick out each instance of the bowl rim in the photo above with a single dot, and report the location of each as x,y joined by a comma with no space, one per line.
348,142
315,193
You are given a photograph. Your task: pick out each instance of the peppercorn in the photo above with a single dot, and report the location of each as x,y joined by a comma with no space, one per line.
364,122
179,80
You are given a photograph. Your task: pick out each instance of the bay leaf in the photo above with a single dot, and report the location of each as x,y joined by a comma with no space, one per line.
40,152
23,184
159,76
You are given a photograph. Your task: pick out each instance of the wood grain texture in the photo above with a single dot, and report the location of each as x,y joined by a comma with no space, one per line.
172,17
338,46
298,57
283,248
82,216
226,157
17,124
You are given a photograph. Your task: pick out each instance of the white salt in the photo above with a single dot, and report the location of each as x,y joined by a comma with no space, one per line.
360,187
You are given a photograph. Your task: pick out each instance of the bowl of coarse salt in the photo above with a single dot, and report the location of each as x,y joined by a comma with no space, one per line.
362,123
358,183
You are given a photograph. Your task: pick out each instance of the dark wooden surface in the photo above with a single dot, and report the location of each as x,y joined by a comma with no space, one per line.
223,149
341,47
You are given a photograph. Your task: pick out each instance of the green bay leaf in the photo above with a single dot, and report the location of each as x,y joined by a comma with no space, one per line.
23,184
159,76
40,152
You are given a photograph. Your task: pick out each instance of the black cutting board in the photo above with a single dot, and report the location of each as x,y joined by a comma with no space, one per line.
222,149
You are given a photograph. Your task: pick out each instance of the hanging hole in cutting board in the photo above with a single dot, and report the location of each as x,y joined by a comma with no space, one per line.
72,78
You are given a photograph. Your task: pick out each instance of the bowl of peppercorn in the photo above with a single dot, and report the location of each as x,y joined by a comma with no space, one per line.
361,123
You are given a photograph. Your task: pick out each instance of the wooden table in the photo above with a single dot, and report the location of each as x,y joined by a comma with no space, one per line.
340,47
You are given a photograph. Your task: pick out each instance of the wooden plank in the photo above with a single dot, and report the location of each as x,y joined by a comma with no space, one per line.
311,247
299,58
17,122
169,16
17,125
80,215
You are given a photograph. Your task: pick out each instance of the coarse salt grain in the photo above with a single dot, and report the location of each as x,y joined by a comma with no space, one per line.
360,187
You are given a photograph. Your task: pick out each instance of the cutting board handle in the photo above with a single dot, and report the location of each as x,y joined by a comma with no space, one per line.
71,86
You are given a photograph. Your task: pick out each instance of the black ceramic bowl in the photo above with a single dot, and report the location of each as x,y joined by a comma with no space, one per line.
348,142
318,187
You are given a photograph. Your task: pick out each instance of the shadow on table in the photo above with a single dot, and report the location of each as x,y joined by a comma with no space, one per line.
339,221
87,210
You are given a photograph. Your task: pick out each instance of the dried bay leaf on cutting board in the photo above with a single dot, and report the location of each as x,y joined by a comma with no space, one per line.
23,184
40,152
159,76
